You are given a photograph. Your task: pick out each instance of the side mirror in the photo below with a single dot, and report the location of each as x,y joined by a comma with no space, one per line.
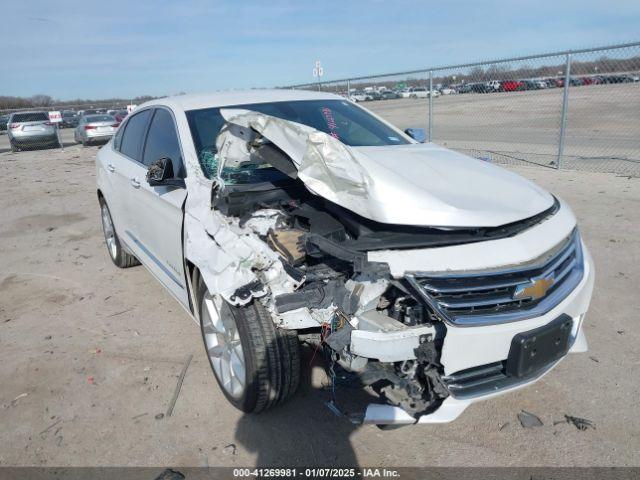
418,134
160,174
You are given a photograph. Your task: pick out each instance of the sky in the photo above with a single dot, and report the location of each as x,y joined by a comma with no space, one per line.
112,48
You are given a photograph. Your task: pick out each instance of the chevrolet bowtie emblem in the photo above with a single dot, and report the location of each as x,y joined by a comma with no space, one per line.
535,289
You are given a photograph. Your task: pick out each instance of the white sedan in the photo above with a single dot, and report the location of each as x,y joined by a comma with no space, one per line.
280,217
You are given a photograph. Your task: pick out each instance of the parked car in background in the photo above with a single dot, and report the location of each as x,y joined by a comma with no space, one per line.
493,86
4,119
69,119
374,95
389,95
530,85
554,82
481,87
511,86
95,128
418,92
31,129
120,115
360,96
447,91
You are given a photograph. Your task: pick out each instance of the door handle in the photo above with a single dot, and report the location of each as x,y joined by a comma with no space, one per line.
135,183
111,168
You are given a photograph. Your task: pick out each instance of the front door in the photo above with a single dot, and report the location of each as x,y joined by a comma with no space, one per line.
156,226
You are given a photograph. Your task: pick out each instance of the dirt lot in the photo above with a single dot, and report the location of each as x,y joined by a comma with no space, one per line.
90,355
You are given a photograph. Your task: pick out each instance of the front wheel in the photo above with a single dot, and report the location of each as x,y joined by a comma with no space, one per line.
256,365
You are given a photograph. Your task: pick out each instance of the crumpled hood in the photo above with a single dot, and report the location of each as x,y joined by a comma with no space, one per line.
414,184
425,184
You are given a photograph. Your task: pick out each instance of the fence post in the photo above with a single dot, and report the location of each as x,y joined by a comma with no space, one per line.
348,89
565,109
430,125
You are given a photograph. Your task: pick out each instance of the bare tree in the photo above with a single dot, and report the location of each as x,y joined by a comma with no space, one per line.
41,100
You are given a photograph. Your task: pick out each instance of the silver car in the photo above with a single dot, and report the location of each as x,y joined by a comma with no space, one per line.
31,129
95,128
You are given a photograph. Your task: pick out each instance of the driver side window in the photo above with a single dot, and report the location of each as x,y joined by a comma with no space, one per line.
162,142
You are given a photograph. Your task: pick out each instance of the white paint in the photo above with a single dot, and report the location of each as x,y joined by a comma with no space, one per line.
413,184
505,252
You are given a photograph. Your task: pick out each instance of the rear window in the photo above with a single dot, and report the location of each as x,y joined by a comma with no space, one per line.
30,117
99,118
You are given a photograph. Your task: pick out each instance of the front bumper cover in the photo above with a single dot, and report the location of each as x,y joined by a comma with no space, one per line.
467,347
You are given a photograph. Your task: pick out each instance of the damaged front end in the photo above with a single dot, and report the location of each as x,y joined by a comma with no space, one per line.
291,221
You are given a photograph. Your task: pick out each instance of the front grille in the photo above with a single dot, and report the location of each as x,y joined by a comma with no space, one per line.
504,295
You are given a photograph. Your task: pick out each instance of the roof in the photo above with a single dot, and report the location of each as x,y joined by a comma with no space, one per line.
240,97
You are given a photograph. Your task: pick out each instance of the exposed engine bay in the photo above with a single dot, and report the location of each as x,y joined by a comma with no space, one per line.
337,291
305,258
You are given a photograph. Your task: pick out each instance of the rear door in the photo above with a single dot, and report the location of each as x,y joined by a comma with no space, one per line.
157,223
121,167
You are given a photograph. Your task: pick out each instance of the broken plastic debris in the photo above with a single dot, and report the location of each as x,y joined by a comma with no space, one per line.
581,424
529,420
229,449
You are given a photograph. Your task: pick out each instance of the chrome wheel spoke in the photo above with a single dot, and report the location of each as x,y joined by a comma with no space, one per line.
109,232
216,351
223,345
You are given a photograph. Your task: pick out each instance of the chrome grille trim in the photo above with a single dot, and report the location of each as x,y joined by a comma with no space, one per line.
487,297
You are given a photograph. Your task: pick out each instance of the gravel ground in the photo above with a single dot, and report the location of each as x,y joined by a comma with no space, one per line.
90,355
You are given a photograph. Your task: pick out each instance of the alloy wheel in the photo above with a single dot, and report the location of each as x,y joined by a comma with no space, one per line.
109,231
222,341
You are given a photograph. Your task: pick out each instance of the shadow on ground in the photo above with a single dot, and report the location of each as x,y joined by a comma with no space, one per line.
286,436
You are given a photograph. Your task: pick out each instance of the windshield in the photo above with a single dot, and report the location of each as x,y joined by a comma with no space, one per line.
341,119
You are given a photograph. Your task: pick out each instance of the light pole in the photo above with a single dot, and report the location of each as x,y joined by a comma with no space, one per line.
318,71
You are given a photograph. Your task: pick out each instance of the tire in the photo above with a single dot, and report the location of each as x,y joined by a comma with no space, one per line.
14,149
119,256
85,143
271,356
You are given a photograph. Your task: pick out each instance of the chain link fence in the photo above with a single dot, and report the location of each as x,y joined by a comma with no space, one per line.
576,109
59,126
